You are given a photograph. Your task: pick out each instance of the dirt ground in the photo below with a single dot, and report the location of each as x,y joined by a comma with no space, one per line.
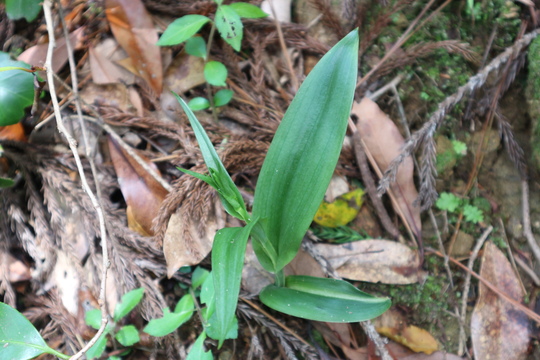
455,84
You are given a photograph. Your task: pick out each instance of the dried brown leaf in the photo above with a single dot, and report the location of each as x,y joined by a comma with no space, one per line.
36,54
143,194
383,140
103,67
134,30
498,330
184,73
384,261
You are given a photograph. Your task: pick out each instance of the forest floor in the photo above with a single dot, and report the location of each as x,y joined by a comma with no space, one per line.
456,83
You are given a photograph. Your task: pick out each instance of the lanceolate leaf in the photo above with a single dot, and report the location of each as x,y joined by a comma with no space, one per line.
305,150
182,29
248,11
227,263
128,303
228,192
322,299
229,26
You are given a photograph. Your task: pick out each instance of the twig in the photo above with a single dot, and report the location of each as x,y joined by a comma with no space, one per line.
374,336
47,5
528,271
511,255
527,220
531,314
467,285
294,80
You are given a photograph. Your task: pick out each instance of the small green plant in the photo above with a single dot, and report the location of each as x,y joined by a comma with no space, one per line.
228,22
453,204
294,177
338,235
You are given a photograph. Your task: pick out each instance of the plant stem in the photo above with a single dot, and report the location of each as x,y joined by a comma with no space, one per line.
280,278
208,88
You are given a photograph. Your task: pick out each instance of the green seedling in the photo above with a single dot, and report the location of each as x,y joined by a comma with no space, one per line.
227,21
453,204
290,188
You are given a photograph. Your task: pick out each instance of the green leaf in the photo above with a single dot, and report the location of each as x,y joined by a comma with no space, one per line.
227,263
98,348
460,147
305,150
5,182
198,103
448,202
128,302
230,26
127,335
215,73
16,91
197,350
196,46
248,11
198,277
171,320
212,330
19,339
321,299
223,97
92,318
182,29
28,9
473,214
221,181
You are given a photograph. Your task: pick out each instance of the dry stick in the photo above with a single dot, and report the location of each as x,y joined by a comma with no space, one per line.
511,254
528,271
396,46
369,329
360,155
467,285
429,128
531,314
294,80
73,146
527,221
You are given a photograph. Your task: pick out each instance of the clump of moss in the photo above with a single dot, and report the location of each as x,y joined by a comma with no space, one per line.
533,97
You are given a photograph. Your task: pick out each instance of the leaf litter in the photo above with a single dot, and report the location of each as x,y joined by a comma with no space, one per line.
46,212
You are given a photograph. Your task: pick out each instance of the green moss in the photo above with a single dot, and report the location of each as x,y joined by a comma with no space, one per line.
532,93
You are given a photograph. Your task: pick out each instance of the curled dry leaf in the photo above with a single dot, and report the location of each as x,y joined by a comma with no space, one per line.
143,194
382,261
187,240
103,67
13,132
498,330
37,54
383,141
134,30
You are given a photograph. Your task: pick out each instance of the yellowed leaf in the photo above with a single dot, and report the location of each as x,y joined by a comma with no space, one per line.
413,337
341,211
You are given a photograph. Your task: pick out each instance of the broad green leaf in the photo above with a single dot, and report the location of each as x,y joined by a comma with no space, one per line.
28,9
305,150
198,277
323,299
171,320
215,73
6,182
198,103
219,2
128,335
197,350
227,263
16,91
92,318
196,46
230,26
19,339
98,348
248,11
221,181
182,29
223,97
212,329
128,302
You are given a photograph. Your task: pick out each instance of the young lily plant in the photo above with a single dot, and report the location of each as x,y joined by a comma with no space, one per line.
290,188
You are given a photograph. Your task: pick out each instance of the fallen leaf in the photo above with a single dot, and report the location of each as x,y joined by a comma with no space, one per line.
384,142
187,241
498,329
341,211
184,73
113,95
66,279
37,54
13,132
384,261
16,270
143,194
134,30
413,337
103,68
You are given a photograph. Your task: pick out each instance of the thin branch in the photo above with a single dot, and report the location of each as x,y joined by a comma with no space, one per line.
527,221
47,5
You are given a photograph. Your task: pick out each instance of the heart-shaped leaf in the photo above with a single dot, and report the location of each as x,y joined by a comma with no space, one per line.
323,299
304,152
